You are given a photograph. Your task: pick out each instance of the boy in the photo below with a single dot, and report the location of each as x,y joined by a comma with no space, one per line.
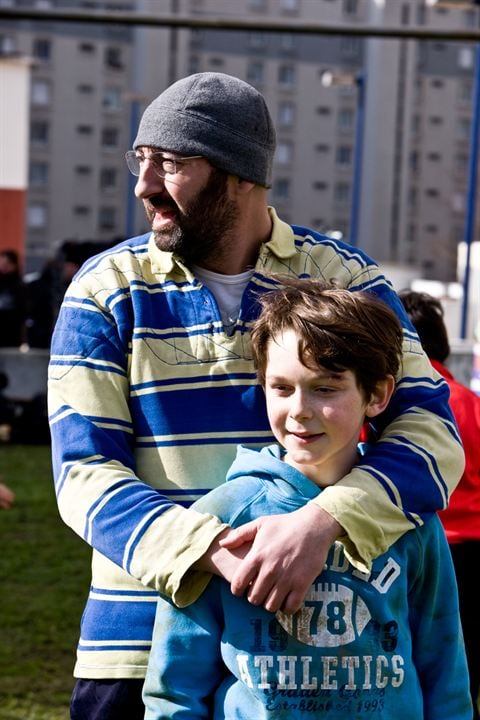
387,644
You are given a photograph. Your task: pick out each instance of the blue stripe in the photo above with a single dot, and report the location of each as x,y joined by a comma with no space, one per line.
104,648
209,410
121,516
198,379
105,620
194,442
126,593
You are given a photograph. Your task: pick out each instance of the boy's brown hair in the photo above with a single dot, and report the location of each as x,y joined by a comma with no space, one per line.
337,329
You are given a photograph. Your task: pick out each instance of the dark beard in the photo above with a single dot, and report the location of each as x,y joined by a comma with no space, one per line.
201,233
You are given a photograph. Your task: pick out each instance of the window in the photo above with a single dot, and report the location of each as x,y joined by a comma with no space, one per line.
81,210
458,203
255,73
350,7
342,192
432,192
84,129
345,119
289,5
465,58
83,170
288,43
257,40
322,148
39,132
320,185
437,83
324,110
344,155
464,91
257,5
284,153
87,48
436,120
110,137
41,92
108,179
286,76
37,216
8,44
463,128
112,98
350,47
38,174
42,48
286,114
85,89
113,58
281,189
434,157
106,218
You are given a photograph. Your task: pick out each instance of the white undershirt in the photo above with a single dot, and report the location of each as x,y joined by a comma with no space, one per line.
228,291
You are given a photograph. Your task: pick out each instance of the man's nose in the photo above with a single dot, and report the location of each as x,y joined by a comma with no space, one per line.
148,180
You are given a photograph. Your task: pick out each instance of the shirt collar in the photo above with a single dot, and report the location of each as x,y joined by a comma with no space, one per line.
281,243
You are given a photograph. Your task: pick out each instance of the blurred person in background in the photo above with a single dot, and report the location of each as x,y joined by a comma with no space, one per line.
7,497
461,519
12,300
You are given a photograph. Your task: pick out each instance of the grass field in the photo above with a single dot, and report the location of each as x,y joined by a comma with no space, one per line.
45,572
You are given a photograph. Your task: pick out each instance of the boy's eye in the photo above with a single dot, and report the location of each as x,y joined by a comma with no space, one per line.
278,387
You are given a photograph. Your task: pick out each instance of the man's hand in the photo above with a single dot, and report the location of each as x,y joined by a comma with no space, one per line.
288,552
221,560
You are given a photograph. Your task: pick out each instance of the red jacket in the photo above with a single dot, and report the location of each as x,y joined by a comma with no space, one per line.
461,519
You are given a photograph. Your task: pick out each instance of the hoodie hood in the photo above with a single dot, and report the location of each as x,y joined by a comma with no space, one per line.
267,464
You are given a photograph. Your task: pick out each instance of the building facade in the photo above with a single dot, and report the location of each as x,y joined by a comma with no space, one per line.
90,83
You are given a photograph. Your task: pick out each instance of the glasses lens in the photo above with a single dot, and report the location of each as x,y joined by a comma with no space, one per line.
133,163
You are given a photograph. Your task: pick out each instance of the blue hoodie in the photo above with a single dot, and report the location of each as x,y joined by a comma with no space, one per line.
386,645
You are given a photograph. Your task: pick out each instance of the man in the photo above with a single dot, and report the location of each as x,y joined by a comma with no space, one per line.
152,385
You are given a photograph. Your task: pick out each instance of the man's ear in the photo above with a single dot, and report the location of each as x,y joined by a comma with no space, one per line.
241,187
380,396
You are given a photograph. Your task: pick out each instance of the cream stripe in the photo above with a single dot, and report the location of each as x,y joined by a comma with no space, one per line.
206,436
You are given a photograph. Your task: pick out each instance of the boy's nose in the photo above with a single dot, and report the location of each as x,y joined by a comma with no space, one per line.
300,407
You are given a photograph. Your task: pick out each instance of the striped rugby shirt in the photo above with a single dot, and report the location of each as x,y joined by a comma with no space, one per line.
148,398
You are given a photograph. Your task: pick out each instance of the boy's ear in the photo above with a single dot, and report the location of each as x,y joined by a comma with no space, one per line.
380,396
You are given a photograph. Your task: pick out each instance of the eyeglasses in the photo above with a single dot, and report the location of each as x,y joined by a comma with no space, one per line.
162,165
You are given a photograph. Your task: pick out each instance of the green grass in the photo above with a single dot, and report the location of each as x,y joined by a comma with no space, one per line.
45,572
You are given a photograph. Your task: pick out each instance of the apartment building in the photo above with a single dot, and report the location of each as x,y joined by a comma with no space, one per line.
91,82
79,129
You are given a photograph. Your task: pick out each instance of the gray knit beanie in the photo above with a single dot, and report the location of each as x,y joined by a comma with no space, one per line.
218,116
